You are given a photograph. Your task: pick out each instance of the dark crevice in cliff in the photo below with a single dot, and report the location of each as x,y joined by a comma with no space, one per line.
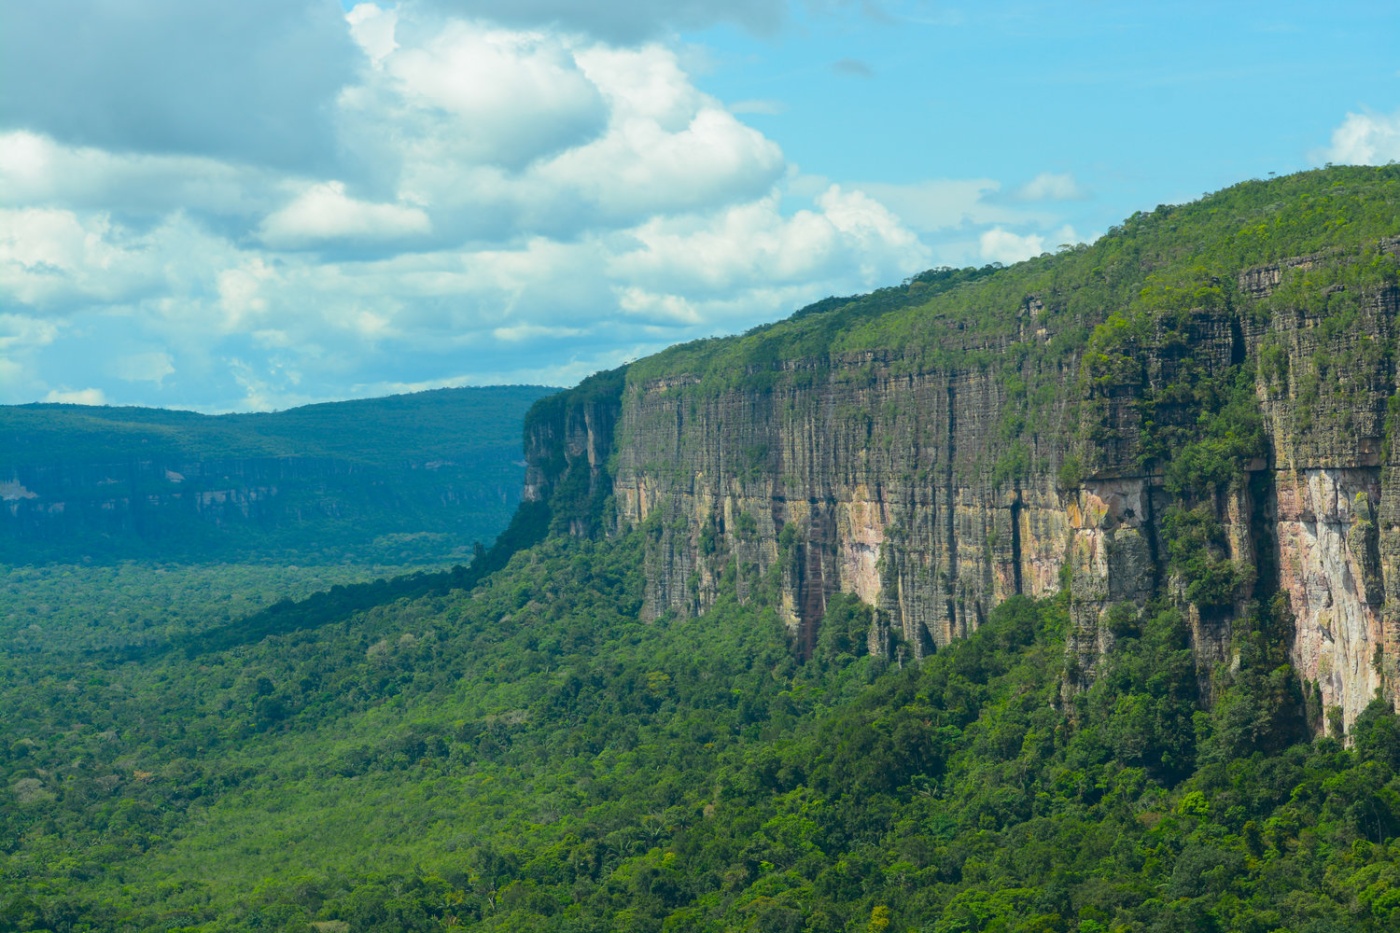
1016,508
1238,347
813,602
1153,534
1263,525
950,519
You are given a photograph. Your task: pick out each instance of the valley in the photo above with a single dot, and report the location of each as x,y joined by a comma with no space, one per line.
1050,597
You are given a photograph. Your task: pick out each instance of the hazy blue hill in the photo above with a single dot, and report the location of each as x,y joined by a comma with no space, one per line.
404,478
396,429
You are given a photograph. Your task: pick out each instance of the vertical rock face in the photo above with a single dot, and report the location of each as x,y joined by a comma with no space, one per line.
1113,558
854,478
1213,439
568,442
1325,398
1329,570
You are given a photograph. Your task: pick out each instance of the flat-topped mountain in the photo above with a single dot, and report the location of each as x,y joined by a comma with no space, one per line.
1200,406
1046,598
408,477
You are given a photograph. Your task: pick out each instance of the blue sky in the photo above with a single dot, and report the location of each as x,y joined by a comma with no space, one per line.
257,205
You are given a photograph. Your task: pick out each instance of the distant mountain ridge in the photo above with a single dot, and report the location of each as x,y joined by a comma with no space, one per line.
407,477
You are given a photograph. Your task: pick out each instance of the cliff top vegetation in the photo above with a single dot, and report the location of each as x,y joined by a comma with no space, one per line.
1153,259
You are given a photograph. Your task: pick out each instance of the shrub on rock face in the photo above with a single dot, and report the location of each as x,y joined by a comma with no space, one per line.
843,634
1376,734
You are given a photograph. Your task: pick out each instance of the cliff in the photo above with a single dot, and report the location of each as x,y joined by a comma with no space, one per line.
402,478
1194,410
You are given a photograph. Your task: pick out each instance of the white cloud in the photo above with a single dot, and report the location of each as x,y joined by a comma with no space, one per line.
36,171
373,30
511,205
865,220
77,396
248,81
518,332
495,96
948,203
1001,245
1365,139
240,292
152,366
1050,186
49,257
324,212
626,21
687,270
501,135
20,332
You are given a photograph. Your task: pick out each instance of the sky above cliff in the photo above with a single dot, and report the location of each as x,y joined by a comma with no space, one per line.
264,203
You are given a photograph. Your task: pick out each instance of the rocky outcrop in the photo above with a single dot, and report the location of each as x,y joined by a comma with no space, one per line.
866,481
1052,449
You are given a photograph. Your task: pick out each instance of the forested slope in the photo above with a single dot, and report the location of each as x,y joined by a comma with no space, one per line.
713,677
529,755
405,478
1199,406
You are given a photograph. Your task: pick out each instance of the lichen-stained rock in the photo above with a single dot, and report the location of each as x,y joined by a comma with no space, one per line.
863,478
1112,560
1326,544
1210,423
856,479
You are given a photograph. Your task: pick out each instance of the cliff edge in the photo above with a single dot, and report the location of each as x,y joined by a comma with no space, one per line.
1198,408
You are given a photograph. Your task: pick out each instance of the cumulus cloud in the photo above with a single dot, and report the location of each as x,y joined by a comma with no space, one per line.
62,262
252,81
753,245
1001,245
324,212
625,21
77,396
502,204
638,139
373,30
36,170
1365,139
1051,186
508,97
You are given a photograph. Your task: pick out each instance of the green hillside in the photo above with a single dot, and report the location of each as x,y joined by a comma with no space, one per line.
433,425
1152,262
408,478
509,747
528,756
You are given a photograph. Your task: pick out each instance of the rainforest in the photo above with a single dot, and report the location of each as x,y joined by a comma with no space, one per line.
1060,596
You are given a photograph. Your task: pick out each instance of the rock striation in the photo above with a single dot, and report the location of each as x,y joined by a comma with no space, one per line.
1183,412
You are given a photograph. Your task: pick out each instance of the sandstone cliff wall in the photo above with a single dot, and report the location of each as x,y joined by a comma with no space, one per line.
927,489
